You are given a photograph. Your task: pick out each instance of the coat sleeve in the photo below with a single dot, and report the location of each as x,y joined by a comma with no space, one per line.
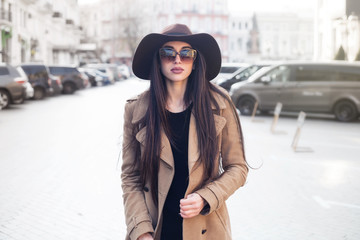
138,219
233,162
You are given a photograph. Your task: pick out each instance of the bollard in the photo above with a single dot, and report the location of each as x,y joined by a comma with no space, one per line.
300,123
254,111
276,116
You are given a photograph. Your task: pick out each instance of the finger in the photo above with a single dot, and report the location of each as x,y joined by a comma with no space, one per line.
192,212
188,215
188,201
194,206
190,206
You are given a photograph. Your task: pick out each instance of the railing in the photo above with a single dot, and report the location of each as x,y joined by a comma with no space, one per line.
5,15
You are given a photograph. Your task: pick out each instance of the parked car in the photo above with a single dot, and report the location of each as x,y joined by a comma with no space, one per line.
91,76
101,78
109,69
124,71
227,69
56,85
240,75
302,86
38,76
70,77
11,86
29,90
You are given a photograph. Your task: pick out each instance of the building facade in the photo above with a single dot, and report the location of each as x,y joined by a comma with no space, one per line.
337,26
124,23
285,36
39,31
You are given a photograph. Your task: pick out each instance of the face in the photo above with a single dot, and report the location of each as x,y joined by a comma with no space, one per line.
176,68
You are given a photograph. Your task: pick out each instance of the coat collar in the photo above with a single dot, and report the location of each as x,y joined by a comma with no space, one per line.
143,102
166,152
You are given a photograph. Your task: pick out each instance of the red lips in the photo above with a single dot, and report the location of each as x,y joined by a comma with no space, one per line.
177,70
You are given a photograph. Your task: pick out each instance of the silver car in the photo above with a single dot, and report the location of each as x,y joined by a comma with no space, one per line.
12,89
332,87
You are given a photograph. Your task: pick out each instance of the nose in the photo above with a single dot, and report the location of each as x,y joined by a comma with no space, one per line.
177,58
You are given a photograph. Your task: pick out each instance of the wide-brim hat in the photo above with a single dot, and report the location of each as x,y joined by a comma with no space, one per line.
202,42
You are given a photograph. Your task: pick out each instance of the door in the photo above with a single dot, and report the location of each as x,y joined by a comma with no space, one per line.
309,89
271,85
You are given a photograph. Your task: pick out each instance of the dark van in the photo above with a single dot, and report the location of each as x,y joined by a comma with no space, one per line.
71,78
38,75
332,87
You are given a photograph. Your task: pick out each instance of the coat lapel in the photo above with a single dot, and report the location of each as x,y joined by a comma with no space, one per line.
194,154
139,112
166,152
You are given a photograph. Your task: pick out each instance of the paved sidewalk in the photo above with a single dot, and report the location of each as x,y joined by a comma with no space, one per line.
59,178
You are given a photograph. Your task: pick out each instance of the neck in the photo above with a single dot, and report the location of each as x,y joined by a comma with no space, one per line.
176,92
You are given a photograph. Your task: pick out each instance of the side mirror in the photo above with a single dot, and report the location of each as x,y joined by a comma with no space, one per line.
265,79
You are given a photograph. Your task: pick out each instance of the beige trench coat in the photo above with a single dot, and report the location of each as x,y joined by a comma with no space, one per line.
140,212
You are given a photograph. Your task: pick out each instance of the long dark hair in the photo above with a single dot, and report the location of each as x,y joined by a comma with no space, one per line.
198,92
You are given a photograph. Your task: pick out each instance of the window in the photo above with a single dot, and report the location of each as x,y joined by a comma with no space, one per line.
4,71
348,76
280,74
307,74
240,43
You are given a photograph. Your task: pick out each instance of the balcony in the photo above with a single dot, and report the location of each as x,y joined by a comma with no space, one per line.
5,16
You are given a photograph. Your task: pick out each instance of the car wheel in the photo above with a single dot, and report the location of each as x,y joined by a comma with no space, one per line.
4,99
39,93
345,111
68,88
246,105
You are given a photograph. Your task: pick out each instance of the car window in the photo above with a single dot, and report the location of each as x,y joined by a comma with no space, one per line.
35,72
4,71
279,74
348,76
228,69
56,70
246,73
71,70
307,74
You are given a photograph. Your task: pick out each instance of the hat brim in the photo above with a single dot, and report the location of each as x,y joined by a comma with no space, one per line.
151,43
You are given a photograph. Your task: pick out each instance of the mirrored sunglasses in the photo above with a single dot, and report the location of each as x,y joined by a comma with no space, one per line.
169,54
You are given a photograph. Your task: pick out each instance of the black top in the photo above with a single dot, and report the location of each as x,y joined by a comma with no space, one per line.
172,221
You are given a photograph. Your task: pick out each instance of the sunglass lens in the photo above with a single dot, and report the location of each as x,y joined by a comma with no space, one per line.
168,54
185,55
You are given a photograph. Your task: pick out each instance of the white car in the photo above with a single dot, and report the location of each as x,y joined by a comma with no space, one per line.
227,70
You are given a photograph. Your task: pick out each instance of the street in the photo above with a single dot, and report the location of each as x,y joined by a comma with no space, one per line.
60,173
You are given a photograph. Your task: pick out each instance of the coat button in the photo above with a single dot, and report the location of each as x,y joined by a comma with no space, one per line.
203,231
146,189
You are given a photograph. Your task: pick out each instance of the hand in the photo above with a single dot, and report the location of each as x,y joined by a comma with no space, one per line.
191,206
145,236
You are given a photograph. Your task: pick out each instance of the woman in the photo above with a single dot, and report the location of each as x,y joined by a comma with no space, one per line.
183,147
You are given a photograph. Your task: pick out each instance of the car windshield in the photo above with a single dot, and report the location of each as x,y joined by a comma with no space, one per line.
258,74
